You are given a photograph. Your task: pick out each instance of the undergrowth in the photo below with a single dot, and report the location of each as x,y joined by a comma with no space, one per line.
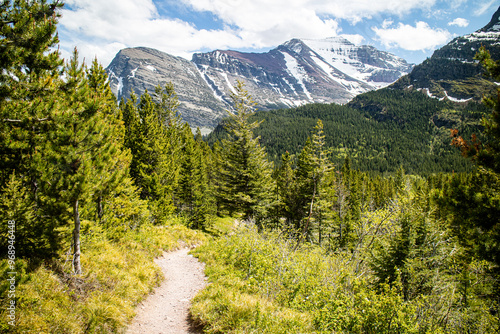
118,274
261,284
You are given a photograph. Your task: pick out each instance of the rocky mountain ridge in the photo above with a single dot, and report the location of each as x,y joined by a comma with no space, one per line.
452,72
295,73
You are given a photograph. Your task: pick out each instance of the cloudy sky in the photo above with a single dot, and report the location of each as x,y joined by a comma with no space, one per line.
411,29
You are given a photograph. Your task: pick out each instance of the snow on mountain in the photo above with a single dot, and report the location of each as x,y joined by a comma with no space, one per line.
452,72
141,69
297,72
303,71
364,63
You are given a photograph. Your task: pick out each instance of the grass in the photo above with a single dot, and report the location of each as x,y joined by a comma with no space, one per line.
118,274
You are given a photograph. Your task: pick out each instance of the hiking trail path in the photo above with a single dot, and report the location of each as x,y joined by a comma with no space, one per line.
166,309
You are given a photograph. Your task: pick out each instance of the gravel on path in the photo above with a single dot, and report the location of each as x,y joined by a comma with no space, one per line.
166,310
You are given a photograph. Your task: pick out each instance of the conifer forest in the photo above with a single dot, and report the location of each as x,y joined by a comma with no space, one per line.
378,216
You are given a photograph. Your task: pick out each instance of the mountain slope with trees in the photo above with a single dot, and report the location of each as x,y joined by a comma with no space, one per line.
453,71
380,131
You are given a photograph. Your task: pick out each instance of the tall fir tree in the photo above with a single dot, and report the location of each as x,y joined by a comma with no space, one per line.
80,154
286,204
108,176
245,173
474,205
313,167
194,192
154,134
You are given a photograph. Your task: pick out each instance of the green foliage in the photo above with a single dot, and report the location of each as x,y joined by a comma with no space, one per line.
471,203
245,183
32,238
195,196
156,137
29,83
117,276
256,277
379,130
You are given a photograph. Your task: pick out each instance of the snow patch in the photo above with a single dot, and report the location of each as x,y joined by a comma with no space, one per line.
231,87
297,72
217,96
455,99
151,68
446,96
119,86
132,73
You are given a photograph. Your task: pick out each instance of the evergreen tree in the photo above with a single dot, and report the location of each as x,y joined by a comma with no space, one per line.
29,73
29,99
474,205
245,174
154,134
194,192
108,176
313,167
78,159
286,205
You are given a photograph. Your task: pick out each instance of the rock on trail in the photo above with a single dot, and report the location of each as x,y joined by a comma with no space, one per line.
166,310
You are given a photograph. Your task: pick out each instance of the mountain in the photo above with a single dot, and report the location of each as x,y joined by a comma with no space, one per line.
452,72
293,74
405,124
302,71
141,68
380,131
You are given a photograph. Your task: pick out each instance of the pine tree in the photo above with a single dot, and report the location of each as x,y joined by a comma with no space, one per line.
109,176
29,99
29,73
474,205
193,192
286,191
154,134
81,151
246,185
312,167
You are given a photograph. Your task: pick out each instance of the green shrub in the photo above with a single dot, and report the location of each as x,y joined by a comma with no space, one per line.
262,284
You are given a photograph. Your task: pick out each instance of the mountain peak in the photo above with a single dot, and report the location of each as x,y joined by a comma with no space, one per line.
452,72
331,70
494,24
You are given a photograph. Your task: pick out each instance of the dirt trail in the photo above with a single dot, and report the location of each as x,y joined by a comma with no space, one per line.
166,310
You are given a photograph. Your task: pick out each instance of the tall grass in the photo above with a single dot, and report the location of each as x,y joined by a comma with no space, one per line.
118,274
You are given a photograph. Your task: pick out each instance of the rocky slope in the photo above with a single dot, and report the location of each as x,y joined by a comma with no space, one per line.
140,68
302,71
295,73
452,72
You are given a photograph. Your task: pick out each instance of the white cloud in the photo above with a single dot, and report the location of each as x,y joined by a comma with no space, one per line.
387,23
354,39
421,37
459,22
252,14
484,7
100,28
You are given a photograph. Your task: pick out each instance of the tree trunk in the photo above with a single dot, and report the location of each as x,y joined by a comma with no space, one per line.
305,230
76,239
99,208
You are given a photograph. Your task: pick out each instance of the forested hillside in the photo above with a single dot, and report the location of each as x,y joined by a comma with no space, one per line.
379,130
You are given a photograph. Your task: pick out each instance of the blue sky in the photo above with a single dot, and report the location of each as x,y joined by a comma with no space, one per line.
411,29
